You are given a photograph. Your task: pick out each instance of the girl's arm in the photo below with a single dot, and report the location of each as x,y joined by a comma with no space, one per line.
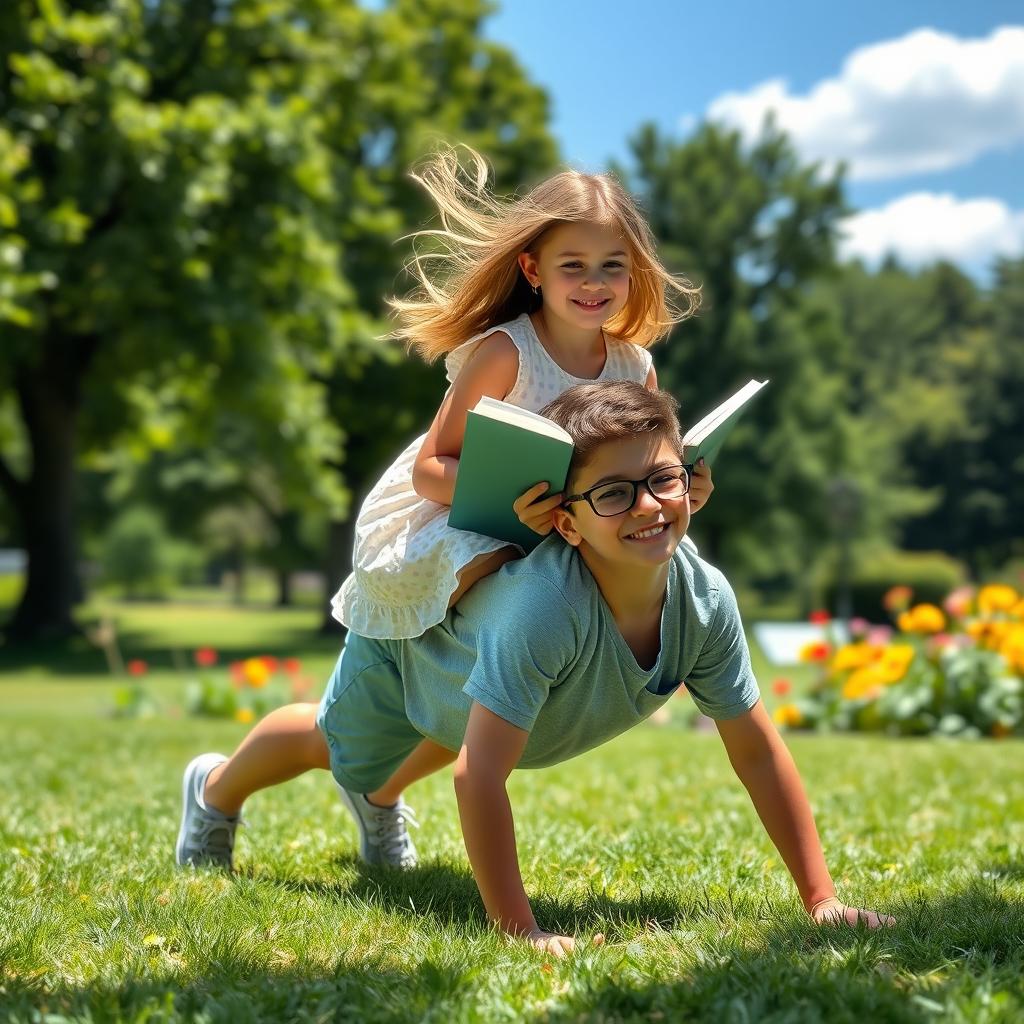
491,370
765,767
490,750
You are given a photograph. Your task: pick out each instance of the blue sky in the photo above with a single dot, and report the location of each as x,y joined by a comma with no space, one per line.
939,115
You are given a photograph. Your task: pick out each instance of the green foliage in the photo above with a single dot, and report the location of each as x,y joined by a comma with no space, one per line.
139,555
931,575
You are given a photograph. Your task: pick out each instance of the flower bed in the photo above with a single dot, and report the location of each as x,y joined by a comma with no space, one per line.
956,670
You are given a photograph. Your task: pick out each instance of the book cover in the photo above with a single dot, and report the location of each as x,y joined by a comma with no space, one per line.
505,451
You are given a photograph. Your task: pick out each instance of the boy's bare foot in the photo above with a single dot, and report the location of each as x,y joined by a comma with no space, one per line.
834,911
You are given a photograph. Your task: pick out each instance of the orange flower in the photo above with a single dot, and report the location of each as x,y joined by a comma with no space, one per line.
817,650
255,672
997,597
271,663
137,667
781,687
788,715
897,598
244,715
292,666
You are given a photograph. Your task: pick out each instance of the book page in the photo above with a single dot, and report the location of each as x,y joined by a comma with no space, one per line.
505,412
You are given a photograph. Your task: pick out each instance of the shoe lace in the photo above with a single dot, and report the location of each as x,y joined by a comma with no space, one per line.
391,830
215,837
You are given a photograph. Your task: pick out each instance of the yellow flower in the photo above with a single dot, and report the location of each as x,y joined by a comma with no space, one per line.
1012,647
922,618
865,682
854,656
244,715
896,659
256,672
997,597
788,715
1017,611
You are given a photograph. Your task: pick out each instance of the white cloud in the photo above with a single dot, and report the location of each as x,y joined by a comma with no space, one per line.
924,226
924,102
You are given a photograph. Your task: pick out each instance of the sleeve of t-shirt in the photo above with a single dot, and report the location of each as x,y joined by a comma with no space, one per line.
722,683
522,650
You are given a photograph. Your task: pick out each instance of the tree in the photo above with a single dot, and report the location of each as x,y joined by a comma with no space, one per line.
756,229
186,187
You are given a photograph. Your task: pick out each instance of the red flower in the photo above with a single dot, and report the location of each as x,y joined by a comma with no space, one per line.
205,657
781,687
819,617
292,666
270,662
137,667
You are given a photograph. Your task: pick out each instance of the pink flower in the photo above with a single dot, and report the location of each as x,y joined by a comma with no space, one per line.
879,636
137,667
859,626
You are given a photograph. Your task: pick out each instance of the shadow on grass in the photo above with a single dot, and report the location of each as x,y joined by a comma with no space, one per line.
956,956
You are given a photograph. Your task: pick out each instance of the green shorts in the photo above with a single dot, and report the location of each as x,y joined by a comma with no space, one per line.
362,716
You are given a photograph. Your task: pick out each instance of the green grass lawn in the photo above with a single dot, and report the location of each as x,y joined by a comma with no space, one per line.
650,840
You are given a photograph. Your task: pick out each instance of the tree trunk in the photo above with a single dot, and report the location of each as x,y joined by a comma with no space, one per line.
48,396
284,588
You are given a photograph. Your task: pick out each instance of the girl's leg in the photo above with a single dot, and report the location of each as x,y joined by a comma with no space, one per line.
426,759
481,566
284,744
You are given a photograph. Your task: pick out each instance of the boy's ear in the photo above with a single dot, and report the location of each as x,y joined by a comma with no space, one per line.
528,265
565,524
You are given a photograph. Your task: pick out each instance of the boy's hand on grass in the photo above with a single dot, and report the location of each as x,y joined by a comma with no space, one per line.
834,911
557,945
701,485
534,511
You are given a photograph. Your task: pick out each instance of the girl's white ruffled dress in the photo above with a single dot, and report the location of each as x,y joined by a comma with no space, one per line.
406,555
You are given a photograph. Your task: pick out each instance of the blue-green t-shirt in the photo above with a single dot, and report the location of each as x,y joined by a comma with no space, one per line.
536,644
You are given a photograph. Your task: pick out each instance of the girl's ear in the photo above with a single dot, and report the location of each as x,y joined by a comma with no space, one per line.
528,265
565,524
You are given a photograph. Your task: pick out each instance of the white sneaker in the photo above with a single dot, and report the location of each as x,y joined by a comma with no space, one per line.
206,836
383,835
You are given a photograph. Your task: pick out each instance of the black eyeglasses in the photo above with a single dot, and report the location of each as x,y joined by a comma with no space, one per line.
618,496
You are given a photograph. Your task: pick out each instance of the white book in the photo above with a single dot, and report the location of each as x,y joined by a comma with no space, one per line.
704,439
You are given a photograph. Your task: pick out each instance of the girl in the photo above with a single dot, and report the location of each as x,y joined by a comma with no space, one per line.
538,294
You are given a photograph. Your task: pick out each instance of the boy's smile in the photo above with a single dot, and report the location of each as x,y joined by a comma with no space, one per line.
644,536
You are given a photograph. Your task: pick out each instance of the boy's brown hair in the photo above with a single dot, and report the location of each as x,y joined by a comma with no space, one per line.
601,411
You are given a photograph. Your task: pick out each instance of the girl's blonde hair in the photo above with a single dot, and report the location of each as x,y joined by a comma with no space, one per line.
473,282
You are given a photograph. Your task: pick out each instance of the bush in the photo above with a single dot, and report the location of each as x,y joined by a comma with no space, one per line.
931,575
956,670
139,555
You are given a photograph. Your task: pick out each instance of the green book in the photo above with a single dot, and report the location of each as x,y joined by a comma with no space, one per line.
505,451
704,439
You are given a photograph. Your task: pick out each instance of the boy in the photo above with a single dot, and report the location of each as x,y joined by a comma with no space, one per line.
552,655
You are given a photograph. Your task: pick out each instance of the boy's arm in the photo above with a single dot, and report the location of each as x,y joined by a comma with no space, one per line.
765,766
490,750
